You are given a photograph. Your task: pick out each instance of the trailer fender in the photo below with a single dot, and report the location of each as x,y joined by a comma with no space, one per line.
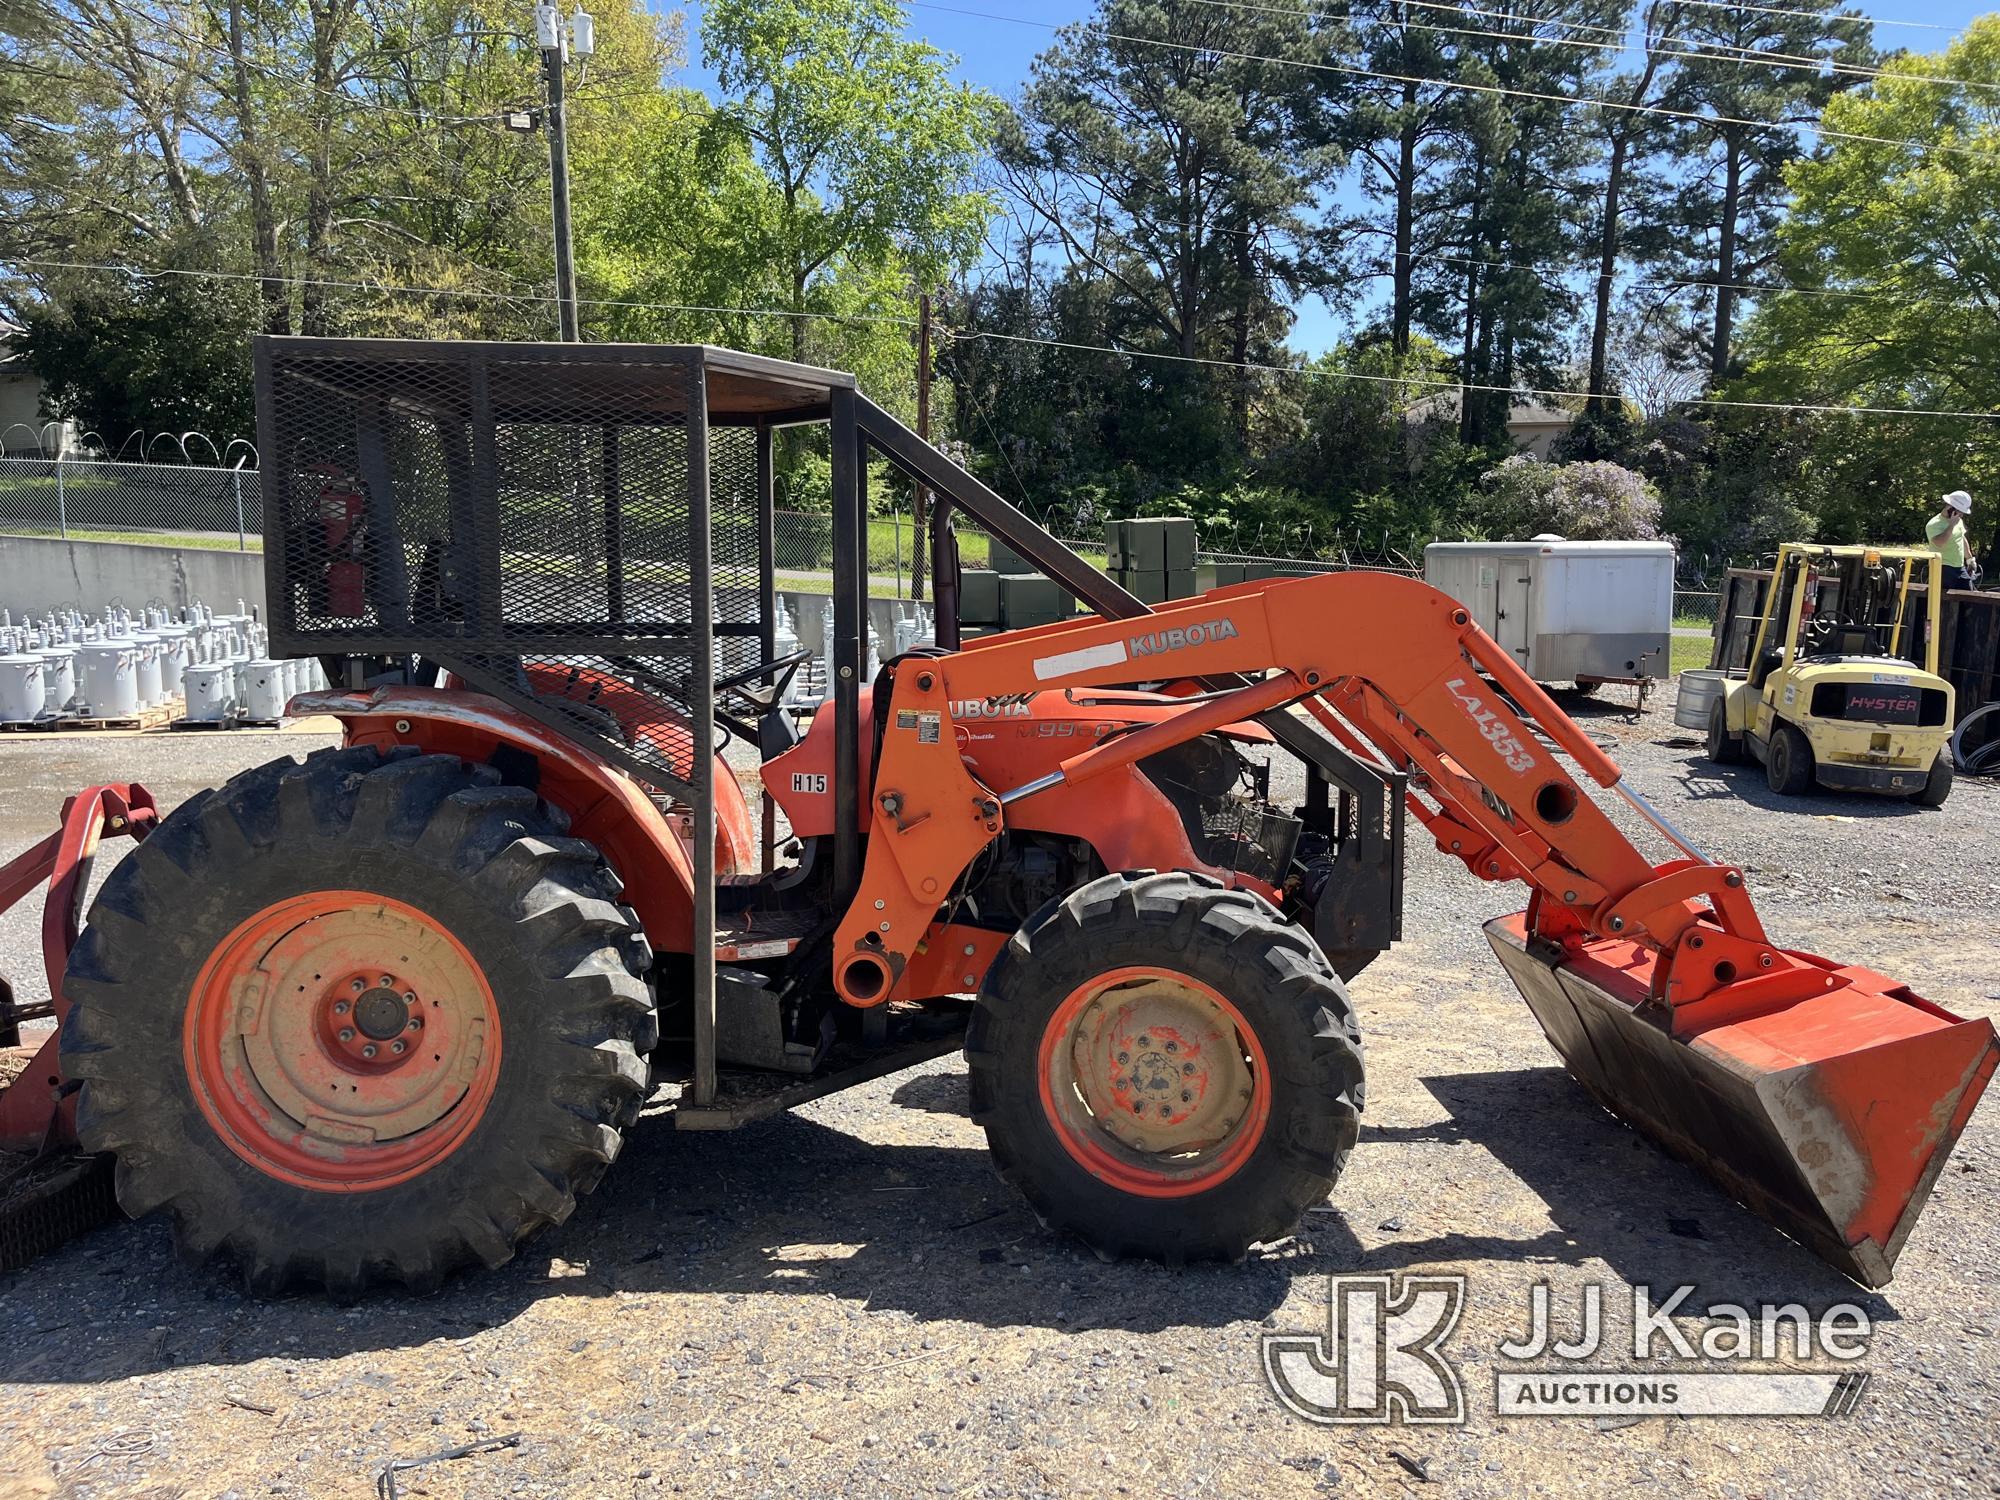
605,807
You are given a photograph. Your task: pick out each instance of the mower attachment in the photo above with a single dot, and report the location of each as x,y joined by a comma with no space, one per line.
48,1192
1830,1116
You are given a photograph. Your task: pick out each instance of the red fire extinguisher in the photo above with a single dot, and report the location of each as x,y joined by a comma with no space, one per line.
341,509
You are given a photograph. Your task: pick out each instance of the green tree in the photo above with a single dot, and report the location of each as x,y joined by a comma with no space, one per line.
869,146
1511,204
1715,225
1163,155
1630,135
1391,122
147,355
1904,231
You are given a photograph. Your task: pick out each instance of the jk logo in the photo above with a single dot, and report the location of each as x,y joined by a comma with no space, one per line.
1379,1360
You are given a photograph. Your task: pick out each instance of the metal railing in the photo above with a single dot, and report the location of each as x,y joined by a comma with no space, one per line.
83,499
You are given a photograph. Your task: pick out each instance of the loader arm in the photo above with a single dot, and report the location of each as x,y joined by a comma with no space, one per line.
1826,1097
1379,661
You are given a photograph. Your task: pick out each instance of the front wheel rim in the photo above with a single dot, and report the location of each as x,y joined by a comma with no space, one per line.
1154,1082
342,1041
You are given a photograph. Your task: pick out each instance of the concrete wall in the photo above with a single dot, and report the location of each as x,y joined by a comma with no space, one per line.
38,574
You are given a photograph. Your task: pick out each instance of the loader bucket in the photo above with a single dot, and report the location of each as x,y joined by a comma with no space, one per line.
1830,1116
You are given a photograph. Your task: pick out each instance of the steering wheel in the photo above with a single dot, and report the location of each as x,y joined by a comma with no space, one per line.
765,697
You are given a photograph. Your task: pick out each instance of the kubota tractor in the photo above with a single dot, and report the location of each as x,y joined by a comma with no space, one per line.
391,1008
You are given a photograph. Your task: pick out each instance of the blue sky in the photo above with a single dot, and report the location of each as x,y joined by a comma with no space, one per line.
996,55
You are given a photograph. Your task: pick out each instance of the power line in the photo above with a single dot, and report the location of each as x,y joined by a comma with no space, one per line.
1815,15
1437,384
1567,101
476,293
1442,384
1624,43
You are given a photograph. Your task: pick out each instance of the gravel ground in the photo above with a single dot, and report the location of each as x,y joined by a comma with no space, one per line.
845,1301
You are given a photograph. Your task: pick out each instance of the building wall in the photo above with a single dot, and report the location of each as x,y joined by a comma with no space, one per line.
20,398
1534,438
39,574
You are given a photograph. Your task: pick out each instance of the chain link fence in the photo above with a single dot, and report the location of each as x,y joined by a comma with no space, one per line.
804,542
194,505
1695,609
180,505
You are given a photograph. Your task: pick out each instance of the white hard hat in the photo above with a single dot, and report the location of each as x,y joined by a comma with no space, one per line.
1959,501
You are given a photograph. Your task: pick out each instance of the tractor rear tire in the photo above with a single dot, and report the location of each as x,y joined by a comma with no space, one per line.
361,1019
1723,747
1216,1023
1788,764
1937,786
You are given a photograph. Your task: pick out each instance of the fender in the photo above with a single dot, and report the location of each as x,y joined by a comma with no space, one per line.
605,807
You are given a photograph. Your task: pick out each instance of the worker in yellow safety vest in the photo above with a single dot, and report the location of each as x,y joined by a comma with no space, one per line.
1946,532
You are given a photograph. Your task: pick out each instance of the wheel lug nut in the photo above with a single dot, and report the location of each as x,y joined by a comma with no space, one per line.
416,1023
1121,1084
340,1007
1187,1070
1124,1057
1186,1097
397,1048
1173,1046
409,997
347,1033
369,1050
1145,1041
358,986
388,981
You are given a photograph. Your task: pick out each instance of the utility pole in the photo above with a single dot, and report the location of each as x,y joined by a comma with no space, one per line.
554,39
921,501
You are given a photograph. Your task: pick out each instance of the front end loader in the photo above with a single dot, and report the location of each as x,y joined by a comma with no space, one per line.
377,1013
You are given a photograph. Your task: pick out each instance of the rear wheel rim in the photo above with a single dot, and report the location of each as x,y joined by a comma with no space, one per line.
342,1041
1154,1082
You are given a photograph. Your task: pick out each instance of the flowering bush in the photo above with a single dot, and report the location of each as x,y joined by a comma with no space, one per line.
1583,501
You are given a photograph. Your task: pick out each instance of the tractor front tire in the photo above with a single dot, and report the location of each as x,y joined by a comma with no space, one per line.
1166,1068
1937,786
361,1019
1788,764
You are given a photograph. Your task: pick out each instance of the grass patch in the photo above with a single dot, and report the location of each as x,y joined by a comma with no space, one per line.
1687,652
974,551
184,541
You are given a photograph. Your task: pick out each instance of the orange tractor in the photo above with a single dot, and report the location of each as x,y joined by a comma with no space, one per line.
389,1009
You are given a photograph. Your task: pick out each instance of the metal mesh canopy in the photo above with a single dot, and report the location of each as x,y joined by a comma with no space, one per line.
527,516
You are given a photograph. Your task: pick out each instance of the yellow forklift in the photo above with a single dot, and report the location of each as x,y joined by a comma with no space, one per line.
1842,686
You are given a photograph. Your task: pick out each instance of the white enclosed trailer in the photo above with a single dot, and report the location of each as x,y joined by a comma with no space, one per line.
1583,612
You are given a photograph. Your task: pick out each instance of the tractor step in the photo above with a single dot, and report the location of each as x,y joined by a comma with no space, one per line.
743,1095
741,936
